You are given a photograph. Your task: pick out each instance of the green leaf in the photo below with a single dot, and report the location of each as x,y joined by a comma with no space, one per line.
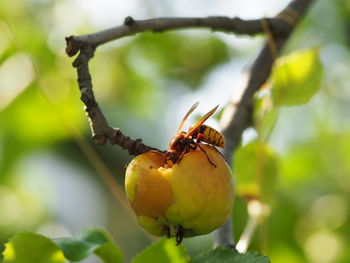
32,248
91,241
164,251
297,78
43,115
225,255
109,253
177,57
74,250
256,170
265,114
96,236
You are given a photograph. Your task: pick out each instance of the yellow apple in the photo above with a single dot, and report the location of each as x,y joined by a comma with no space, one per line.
192,195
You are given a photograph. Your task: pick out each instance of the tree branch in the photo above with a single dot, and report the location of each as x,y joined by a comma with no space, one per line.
238,115
217,23
101,131
87,44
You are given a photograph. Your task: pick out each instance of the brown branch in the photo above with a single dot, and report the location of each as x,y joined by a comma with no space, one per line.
238,115
235,25
101,131
86,44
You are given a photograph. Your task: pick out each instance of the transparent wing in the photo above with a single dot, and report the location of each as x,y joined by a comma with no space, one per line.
199,123
187,115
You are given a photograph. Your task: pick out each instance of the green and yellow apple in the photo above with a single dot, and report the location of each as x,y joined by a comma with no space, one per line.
193,195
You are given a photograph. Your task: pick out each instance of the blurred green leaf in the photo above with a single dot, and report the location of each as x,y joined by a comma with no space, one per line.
296,78
20,209
324,157
180,57
164,251
109,253
74,250
32,121
32,248
265,114
23,124
225,255
151,66
256,170
96,235
91,241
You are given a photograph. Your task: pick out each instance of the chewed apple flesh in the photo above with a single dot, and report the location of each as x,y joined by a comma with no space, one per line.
192,194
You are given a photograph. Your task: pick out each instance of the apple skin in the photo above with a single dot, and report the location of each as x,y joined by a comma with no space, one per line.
192,194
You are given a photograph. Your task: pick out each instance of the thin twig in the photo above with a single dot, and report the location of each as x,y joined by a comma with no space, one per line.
218,23
257,212
101,131
246,237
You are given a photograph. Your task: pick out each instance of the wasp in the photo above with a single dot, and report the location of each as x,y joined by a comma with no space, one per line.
184,142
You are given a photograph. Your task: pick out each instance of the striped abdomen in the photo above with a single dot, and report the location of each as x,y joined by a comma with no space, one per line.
210,135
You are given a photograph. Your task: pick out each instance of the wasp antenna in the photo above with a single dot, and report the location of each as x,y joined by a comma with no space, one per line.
212,110
193,128
194,106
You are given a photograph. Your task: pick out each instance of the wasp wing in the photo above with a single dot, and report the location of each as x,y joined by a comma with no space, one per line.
187,115
199,123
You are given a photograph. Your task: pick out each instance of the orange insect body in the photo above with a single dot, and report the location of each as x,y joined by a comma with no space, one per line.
184,142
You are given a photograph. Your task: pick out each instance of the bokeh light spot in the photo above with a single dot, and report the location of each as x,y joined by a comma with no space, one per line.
323,247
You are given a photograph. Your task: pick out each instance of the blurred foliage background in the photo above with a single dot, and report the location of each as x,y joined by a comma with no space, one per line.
53,179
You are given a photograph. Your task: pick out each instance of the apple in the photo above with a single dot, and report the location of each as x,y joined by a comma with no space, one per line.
192,197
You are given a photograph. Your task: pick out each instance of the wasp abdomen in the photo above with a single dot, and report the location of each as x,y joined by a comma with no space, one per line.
210,135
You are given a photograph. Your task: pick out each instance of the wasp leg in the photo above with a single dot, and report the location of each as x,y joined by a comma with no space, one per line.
180,157
211,162
186,150
199,139
219,152
179,235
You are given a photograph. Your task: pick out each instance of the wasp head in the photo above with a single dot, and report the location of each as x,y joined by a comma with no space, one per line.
178,142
